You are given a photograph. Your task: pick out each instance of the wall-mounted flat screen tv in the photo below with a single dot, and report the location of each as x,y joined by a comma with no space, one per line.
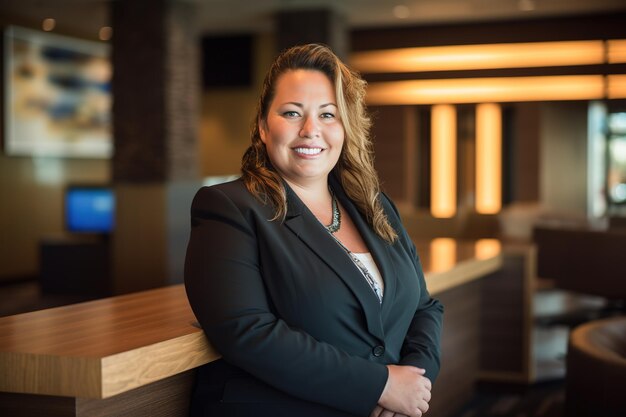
89,209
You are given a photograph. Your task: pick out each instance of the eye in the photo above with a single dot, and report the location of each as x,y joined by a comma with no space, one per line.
327,116
291,114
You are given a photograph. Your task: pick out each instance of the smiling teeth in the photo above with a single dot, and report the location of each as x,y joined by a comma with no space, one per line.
309,151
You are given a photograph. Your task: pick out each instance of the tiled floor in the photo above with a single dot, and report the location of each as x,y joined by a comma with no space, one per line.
544,399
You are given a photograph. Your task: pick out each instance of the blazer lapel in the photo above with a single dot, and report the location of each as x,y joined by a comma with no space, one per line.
379,249
304,225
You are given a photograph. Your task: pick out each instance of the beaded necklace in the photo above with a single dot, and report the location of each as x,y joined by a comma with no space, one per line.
336,223
334,227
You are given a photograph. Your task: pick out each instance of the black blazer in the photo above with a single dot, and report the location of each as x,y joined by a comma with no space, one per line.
300,330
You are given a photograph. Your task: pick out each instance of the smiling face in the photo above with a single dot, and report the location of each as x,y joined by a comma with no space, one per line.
303,133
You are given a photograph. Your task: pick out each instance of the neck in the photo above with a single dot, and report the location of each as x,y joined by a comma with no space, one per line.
311,193
317,197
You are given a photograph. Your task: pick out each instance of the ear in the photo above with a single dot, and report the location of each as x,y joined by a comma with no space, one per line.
262,130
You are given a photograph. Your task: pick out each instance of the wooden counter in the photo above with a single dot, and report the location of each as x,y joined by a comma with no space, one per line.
449,263
119,347
101,348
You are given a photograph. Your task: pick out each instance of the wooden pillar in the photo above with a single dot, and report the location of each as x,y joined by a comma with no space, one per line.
155,123
327,26
155,88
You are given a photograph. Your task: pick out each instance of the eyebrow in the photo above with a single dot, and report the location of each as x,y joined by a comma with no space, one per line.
301,105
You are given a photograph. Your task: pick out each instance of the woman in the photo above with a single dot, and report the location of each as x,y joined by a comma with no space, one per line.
301,273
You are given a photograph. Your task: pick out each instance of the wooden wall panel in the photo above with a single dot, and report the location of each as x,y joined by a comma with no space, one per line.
389,149
165,398
29,405
459,350
506,318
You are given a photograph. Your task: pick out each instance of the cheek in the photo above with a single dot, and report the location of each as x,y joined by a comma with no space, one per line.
338,134
277,135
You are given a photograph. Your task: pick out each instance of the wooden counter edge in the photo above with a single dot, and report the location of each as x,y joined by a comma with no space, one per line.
28,373
462,273
138,367
99,378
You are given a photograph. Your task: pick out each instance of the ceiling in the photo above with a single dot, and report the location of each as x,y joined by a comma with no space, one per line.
216,15
87,16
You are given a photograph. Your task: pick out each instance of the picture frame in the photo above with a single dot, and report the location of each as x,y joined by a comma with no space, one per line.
57,95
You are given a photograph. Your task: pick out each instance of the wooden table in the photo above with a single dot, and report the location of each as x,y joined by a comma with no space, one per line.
136,353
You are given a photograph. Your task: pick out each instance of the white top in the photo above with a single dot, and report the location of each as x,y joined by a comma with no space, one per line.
368,261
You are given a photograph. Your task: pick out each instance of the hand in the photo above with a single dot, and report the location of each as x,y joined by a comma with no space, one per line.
381,412
407,391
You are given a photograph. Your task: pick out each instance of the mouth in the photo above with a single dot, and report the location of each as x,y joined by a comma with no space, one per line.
308,151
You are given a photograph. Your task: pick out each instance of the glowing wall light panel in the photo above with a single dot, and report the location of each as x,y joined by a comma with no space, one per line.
616,86
443,161
471,57
597,117
481,90
442,254
488,158
616,51
487,248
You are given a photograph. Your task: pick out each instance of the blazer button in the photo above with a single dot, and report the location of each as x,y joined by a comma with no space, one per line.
378,350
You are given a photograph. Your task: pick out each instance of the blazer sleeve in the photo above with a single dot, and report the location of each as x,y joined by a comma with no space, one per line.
422,344
224,284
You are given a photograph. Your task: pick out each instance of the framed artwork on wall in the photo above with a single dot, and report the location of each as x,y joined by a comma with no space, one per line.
57,95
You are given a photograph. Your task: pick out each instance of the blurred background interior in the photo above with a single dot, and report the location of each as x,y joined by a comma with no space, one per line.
493,119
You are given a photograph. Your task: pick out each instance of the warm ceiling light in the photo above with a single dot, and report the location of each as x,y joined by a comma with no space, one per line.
105,33
480,90
472,57
526,5
616,86
443,161
616,51
48,24
401,11
488,158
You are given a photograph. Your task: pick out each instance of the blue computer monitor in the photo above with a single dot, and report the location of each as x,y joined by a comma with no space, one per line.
89,209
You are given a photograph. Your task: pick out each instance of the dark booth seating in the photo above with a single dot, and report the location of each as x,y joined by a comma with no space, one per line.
596,369
583,259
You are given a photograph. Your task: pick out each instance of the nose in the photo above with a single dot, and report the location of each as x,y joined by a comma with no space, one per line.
310,128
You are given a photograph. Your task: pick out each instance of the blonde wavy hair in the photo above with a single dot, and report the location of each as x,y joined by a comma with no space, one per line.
355,167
